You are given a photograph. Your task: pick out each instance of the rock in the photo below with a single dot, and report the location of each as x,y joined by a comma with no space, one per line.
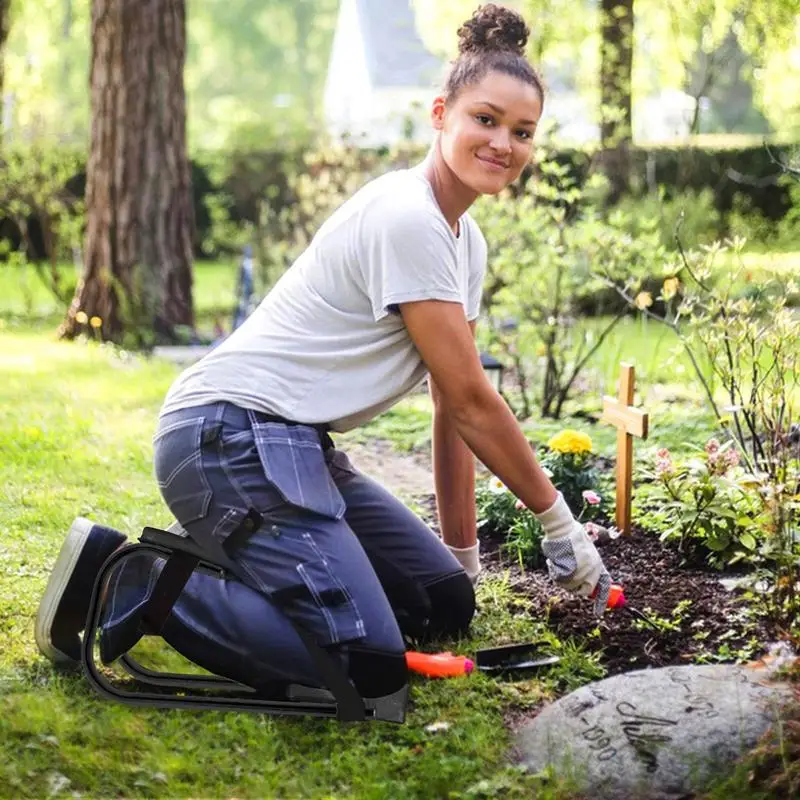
656,734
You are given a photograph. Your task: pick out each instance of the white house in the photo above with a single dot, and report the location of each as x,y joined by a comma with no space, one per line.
381,81
381,78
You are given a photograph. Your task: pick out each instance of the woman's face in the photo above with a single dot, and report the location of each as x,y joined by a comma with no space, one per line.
486,133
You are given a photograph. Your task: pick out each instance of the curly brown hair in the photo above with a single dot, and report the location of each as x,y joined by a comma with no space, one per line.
493,39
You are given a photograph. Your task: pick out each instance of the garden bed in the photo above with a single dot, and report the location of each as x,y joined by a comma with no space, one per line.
698,619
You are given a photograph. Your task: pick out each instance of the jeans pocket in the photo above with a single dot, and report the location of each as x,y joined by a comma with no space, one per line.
178,463
289,567
333,602
293,461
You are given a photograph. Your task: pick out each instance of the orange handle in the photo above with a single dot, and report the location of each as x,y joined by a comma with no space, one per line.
616,596
438,665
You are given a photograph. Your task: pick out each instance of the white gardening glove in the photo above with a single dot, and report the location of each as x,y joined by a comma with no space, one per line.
469,558
572,559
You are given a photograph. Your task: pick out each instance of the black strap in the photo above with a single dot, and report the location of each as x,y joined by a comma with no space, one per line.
350,702
170,583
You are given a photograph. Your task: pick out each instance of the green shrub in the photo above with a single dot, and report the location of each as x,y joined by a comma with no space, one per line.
569,465
691,213
746,220
46,216
544,249
750,345
705,505
497,508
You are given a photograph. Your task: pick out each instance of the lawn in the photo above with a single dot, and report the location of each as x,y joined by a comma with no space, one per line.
75,427
24,296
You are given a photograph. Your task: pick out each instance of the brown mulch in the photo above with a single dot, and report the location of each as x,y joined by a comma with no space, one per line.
653,577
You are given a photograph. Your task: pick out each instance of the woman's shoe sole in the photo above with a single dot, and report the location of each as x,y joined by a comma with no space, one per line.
64,568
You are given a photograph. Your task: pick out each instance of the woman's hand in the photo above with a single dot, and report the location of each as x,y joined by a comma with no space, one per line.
469,558
572,559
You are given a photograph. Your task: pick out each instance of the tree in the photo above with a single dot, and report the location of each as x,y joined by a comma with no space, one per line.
5,21
616,105
616,70
137,275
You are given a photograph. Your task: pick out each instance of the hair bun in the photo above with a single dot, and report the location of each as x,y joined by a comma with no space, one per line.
493,27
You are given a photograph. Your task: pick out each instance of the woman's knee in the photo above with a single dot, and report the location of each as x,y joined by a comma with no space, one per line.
452,606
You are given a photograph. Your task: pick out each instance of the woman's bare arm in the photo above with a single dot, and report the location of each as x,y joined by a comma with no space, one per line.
454,475
441,333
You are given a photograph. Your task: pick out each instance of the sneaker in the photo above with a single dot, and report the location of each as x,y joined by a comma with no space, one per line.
65,604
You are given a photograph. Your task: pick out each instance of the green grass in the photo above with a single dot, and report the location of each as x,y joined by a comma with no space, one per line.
664,381
25,299
75,428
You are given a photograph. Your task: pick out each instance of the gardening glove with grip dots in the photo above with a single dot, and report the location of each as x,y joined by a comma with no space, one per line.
469,558
572,559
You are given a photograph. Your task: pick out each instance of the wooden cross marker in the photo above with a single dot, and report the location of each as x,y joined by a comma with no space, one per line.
629,422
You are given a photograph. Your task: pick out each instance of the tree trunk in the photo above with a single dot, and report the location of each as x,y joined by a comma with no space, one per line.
5,25
616,68
137,274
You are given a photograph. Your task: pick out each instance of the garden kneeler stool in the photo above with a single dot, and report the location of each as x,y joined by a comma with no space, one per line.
175,690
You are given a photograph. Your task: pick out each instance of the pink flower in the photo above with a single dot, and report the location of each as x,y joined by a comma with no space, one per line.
733,458
664,465
592,498
712,446
520,506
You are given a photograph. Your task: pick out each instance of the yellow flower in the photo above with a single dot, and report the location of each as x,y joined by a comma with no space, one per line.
569,441
670,288
643,300
96,322
81,318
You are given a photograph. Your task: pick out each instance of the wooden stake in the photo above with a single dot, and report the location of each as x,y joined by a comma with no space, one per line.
629,422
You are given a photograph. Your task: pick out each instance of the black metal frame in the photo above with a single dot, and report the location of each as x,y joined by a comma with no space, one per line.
182,690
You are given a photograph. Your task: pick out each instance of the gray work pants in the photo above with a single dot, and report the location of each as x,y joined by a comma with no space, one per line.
333,550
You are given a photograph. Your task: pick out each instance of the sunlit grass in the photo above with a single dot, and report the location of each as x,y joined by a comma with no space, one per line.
75,427
25,298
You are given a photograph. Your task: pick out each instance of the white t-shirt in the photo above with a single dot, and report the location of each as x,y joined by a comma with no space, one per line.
327,344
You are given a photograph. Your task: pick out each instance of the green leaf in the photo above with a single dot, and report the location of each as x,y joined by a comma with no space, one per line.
748,540
718,543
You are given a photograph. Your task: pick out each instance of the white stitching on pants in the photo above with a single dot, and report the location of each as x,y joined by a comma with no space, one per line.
332,632
174,426
223,462
262,587
231,513
358,619
297,473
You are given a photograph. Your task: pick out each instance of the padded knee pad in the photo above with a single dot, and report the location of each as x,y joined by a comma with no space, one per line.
452,606
377,673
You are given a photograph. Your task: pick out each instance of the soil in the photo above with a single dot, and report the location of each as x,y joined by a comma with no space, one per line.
406,476
653,578
652,575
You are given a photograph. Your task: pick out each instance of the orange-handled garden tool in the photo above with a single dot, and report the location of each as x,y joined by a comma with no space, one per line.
616,599
438,665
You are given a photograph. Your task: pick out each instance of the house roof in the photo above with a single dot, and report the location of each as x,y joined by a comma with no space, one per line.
395,53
